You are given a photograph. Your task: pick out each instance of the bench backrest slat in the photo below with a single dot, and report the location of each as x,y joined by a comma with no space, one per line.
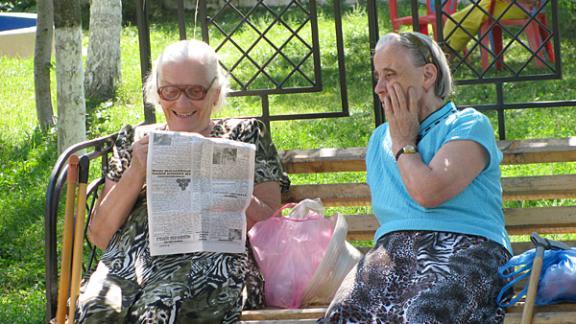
352,159
514,188
538,150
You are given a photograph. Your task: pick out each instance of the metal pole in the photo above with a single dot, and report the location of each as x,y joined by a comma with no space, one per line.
144,43
181,21
373,37
500,109
415,16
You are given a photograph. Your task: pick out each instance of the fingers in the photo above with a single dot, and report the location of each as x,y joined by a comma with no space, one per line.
400,96
143,142
412,104
388,107
394,101
397,98
144,145
140,150
393,98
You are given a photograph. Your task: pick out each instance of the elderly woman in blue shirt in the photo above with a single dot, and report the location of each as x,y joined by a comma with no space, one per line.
434,177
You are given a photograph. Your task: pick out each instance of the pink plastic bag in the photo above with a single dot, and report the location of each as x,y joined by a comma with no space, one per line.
289,249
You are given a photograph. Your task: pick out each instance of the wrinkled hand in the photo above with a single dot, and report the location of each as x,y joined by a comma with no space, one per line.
140,156
402,115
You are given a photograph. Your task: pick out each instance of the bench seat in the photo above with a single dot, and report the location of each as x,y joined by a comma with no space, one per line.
562,313
531,191
552,314
519,221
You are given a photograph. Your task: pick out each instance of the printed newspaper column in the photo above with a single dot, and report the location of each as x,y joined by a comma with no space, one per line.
198,190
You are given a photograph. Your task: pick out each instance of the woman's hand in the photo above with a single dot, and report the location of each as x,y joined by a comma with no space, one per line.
140,156
266,199
402,115
118,198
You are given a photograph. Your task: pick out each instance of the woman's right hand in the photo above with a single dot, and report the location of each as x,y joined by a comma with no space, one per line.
118,198
401,110
140,156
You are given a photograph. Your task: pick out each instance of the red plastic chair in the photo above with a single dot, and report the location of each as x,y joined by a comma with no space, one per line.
536,32
449,7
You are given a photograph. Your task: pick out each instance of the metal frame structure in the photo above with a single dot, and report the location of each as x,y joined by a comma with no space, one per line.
211,24
552,71
98,148
246,86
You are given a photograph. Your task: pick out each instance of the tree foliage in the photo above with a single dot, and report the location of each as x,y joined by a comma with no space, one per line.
18,5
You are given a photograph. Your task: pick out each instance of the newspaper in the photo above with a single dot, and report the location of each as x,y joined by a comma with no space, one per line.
198,190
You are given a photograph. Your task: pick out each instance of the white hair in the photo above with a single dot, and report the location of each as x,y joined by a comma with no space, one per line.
182,51
443,86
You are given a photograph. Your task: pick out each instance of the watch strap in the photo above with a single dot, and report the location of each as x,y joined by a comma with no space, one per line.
408,149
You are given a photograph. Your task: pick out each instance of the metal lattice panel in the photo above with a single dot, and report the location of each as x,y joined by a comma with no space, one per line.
288,39
281,55
523,61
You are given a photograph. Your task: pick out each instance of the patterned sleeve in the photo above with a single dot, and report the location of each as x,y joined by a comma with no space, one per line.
122,153
268,165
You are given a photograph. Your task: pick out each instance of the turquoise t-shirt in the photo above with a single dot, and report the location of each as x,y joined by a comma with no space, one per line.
477,210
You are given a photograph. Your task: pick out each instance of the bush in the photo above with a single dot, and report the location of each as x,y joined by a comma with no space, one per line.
18,5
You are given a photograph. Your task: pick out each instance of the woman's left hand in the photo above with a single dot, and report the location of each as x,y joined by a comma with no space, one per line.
266,199
402,115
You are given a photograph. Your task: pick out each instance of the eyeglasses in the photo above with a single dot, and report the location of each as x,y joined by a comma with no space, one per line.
423,49
192,92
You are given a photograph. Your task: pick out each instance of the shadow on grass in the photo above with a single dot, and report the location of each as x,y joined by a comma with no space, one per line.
25,169
23,179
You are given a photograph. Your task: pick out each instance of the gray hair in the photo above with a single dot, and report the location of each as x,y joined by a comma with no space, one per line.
443,86
182,51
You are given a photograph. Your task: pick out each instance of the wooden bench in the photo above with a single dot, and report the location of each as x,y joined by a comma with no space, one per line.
519,221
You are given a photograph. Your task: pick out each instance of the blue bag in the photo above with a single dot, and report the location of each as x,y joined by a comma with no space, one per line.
557,280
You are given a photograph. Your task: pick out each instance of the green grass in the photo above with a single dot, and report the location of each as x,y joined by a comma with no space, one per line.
27,156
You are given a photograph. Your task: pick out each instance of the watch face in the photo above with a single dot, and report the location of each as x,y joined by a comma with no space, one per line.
409,149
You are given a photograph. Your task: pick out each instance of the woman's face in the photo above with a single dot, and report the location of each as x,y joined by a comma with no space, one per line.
185,114
393,64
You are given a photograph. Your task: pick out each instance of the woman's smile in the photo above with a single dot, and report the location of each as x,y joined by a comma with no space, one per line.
183,115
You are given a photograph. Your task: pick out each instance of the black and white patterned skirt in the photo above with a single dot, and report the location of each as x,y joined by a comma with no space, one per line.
423,277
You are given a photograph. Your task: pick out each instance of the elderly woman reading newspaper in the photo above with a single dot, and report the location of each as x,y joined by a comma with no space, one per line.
130,285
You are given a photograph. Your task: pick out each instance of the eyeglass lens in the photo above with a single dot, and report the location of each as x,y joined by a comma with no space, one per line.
192,92
195,92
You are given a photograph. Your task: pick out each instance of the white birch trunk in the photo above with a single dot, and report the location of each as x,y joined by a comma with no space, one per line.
70,85
103,62
42,56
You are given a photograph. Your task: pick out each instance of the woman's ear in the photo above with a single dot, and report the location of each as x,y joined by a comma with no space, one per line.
430,76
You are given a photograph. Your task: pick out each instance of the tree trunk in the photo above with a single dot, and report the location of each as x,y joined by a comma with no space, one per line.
103,64
69,74
42,55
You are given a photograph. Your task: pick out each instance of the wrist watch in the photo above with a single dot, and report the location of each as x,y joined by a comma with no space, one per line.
408,149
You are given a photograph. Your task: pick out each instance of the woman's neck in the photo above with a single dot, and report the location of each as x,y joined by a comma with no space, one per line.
205,131
429,105
208,129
